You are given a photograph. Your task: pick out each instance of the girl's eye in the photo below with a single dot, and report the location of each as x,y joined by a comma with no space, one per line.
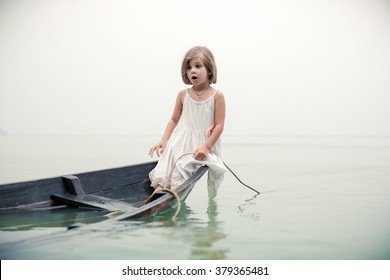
196,66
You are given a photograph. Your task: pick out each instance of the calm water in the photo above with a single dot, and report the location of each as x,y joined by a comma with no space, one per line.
322,198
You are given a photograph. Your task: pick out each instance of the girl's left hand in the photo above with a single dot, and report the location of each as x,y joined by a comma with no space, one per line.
201,153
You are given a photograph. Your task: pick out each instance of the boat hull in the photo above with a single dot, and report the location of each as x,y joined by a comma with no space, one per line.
123,189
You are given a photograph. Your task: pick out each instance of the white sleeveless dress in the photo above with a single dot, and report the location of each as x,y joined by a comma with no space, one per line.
190,133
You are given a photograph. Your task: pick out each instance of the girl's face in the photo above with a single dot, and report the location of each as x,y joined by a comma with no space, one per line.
197,73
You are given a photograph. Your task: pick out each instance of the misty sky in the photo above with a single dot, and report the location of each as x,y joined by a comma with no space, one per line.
113,66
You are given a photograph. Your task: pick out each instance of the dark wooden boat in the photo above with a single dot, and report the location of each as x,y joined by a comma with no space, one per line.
118,189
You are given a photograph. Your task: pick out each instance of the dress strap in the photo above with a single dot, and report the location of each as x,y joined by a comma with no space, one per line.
215,92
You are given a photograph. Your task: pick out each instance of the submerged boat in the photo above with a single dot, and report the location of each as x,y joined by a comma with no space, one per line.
124,189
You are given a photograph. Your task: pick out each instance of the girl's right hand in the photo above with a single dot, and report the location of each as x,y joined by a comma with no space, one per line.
158,148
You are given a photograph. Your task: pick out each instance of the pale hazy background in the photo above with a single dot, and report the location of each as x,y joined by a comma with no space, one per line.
113,66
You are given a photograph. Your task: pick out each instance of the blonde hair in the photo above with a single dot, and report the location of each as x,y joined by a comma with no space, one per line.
208,60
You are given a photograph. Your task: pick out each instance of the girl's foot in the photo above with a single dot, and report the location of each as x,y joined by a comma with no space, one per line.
156,190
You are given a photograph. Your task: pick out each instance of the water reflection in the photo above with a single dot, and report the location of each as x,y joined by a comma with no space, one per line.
204,244
203,235
26,220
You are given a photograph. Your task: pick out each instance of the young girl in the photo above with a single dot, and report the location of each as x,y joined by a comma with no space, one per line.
195,127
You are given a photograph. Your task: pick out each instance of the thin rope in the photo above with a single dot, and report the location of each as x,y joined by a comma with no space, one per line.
175,195
256,191
170,173
234,174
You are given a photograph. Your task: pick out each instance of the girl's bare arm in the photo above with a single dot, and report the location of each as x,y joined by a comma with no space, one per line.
160,146
219,122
